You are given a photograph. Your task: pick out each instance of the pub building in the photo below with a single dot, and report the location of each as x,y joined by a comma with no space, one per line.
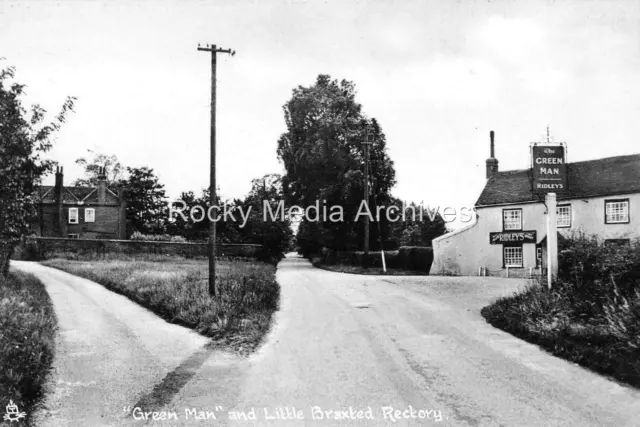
508,237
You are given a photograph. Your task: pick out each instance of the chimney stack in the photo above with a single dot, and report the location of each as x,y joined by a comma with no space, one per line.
57,198
102,186
58,187
492,162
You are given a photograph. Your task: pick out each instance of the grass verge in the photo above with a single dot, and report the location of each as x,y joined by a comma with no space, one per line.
27,341
602,334
176,289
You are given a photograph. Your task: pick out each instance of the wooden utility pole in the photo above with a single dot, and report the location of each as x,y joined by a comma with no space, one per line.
213,290
384,262
366,144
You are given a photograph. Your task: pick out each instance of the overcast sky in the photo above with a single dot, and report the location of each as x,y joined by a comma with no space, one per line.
438,76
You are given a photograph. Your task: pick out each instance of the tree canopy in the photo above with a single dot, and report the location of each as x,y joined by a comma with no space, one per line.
323,154
24,139
114,169
146,200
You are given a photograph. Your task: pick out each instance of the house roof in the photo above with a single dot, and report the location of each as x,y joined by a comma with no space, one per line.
593,178
71,194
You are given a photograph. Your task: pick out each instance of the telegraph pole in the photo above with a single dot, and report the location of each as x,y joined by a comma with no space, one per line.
213,289
366,144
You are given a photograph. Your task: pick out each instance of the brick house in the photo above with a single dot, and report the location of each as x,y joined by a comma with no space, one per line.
602,198
81,212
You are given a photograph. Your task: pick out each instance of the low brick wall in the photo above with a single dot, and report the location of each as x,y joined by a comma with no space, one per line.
47,247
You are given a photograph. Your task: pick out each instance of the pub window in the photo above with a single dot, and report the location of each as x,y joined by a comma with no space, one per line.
563,216
616,211
512,256
512,219
73,215
89,215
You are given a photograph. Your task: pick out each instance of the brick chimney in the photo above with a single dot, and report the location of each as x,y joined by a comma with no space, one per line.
58,200
102,186
492,162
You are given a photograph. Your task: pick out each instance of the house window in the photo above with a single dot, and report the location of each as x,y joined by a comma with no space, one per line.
73,235
73,215
616,211
512,256
512,219
89,215
563,216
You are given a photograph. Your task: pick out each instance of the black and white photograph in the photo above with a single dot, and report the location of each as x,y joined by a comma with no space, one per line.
320,213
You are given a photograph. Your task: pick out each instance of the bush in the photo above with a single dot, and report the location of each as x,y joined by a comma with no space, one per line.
27,250
586,259
27,334
157,237
414,258
417,258
591,316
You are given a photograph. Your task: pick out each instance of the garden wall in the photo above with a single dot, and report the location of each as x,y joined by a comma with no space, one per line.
40,248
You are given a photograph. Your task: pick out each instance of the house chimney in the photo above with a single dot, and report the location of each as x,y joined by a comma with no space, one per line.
492,162
102,186
57,198
58,187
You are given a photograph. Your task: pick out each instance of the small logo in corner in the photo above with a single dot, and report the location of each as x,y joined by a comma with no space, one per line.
13,413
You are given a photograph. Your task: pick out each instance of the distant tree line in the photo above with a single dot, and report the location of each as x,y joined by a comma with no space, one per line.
148,206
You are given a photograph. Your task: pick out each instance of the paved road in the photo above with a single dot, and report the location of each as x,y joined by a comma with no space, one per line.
343,343
109,351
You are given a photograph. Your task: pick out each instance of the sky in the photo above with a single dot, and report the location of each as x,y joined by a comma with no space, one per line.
437,75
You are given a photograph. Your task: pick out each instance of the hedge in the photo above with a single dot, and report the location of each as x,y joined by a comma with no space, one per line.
417,258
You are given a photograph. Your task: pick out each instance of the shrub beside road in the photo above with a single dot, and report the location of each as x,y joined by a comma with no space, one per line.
591,316
27,340
176,289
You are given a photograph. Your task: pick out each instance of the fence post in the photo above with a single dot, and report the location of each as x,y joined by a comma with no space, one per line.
507,272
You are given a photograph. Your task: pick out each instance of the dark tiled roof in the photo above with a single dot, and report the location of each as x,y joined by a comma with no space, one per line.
69,194
592,178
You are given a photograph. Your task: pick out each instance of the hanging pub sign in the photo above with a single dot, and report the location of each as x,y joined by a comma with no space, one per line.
549,169
512,237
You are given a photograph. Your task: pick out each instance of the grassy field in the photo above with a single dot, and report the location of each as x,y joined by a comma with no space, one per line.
176,289
27,340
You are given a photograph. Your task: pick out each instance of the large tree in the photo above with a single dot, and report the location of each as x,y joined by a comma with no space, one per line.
146,200
24,138
92,164
323,154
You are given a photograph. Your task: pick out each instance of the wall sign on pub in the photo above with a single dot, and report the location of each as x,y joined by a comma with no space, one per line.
512,237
